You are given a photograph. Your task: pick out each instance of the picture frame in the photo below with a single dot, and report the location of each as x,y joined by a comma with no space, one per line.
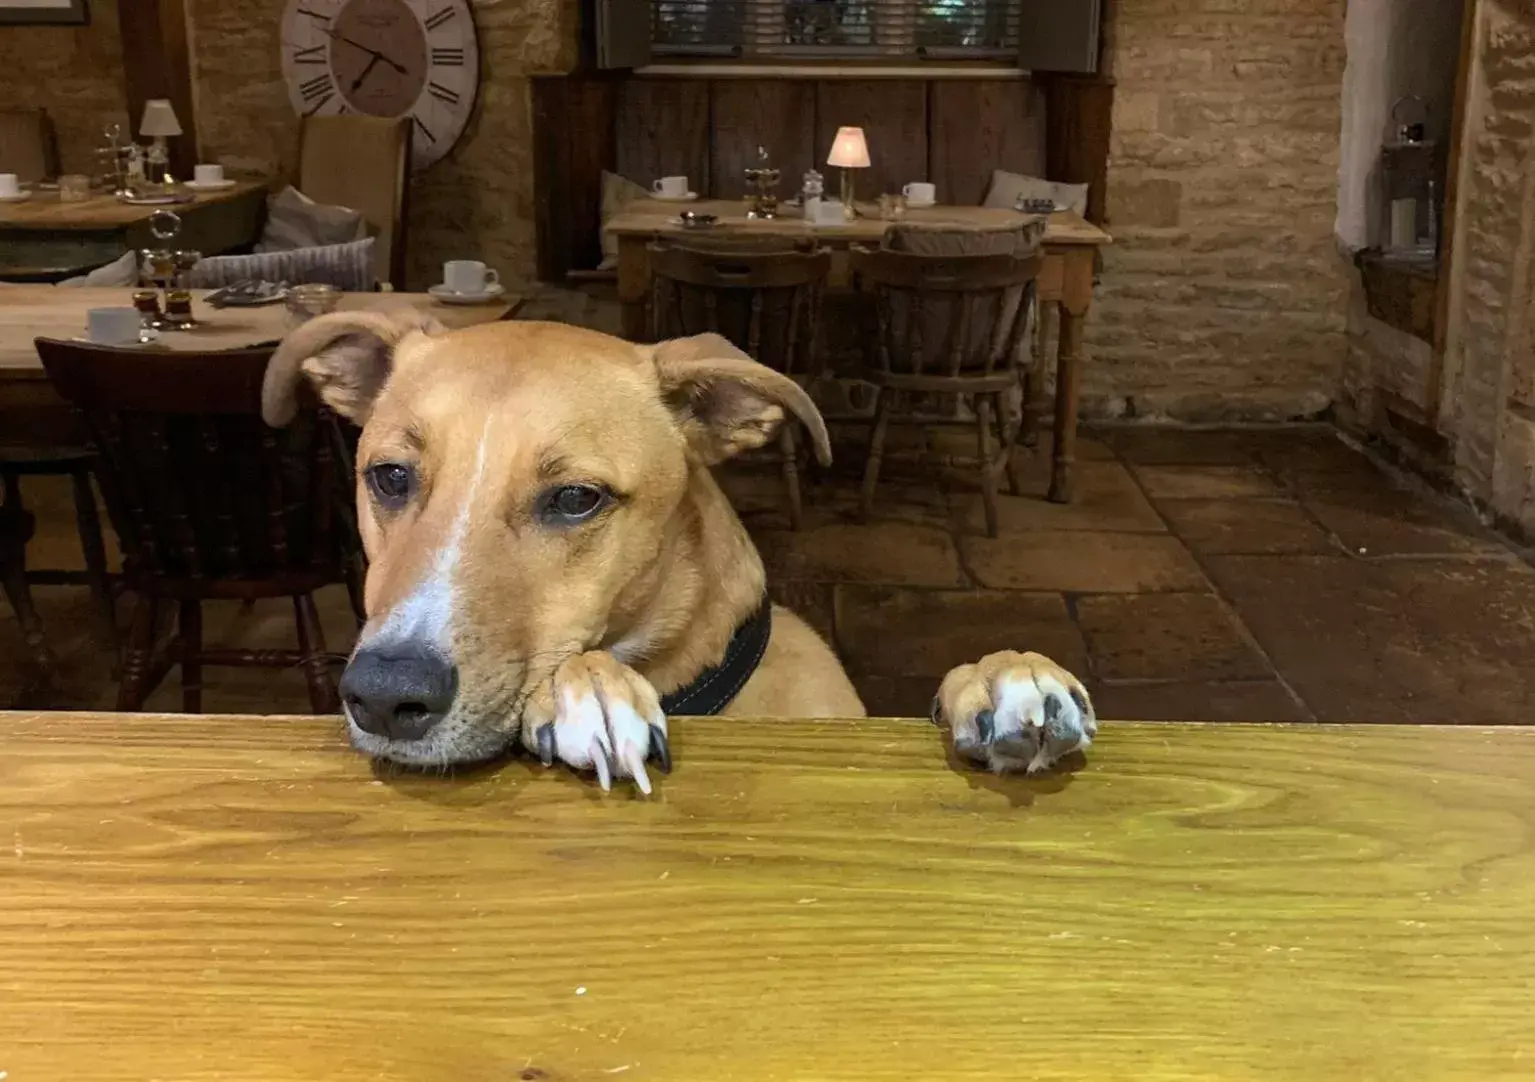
44,13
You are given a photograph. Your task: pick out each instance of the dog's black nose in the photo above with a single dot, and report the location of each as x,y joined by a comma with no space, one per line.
400,692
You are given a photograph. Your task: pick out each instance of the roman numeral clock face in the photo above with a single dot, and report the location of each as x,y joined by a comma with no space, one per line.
416,58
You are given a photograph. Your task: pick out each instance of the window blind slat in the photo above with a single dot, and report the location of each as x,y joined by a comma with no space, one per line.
830,28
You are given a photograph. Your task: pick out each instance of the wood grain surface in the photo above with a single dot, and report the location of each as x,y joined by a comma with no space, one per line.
654,218
243,898
979,126
663,130
28,312
778,114
104,211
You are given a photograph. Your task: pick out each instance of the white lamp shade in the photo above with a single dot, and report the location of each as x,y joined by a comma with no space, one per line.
159,118
849,150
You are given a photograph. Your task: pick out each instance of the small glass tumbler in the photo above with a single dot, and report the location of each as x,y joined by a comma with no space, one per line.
304,302
74,188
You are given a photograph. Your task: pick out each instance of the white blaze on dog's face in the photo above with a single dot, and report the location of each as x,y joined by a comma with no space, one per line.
520,486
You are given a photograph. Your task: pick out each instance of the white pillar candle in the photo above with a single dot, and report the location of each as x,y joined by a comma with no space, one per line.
1404,223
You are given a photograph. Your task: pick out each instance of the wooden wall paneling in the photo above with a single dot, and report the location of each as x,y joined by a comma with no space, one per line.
977,125
893,115
573,135
663,130
1078,115
156,65
776,113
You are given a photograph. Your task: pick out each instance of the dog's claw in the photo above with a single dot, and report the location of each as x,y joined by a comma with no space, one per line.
603,765
661,748
630,758
546,744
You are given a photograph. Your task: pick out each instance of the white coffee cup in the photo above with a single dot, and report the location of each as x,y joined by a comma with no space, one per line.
208,174
920,193
113,326
671,187
10,185
468,276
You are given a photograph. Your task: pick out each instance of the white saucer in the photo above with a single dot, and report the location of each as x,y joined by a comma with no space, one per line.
494,291
912,204
217,186
19,197
659,198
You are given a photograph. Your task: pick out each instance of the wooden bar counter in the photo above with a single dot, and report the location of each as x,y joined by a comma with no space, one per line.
199,898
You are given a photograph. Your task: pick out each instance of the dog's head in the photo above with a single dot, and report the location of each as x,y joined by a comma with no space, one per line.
523,494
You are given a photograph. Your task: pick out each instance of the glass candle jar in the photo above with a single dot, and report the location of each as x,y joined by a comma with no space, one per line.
74,188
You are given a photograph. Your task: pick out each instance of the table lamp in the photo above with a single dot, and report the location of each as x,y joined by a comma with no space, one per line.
849,151
159,122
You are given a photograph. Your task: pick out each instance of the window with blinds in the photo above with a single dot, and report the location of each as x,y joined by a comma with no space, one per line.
836,29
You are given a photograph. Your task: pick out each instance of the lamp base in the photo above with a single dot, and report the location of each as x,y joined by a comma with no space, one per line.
847,194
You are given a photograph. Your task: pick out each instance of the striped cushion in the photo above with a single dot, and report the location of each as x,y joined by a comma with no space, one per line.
345,266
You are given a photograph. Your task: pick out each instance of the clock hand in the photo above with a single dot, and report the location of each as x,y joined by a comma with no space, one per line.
371,52
357,82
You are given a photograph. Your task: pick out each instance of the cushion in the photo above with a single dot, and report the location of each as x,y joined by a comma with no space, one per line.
293,220
617,193
1008,188
122,271
345,266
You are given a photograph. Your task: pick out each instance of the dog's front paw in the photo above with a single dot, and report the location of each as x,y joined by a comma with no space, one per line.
598,714
1015,711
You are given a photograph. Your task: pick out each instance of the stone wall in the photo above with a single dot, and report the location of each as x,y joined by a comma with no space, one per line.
1489,411
477,202
1223,295
1478,397
74,72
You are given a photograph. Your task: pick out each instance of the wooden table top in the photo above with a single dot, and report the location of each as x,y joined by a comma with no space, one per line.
28,312
653,218
103,211
198,898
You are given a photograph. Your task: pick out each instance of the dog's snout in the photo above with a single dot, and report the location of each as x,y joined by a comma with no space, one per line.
398,693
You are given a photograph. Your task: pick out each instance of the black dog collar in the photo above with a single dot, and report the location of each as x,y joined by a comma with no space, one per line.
712,691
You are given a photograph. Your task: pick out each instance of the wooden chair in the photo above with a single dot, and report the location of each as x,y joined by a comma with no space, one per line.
208,503
16,527
947,326
768,303
27,145
362,162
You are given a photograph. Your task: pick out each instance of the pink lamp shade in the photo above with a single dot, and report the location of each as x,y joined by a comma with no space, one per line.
849,149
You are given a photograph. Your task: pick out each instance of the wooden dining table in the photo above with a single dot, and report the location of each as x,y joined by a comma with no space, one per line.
43,236
1065,285
245,898
28,312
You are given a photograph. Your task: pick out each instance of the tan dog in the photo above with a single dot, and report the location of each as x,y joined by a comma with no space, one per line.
550,554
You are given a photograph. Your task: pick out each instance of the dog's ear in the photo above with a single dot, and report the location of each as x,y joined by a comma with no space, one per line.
346,355
726,402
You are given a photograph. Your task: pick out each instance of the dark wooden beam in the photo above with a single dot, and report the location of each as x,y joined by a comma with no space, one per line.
1079,113
156,64
1448,214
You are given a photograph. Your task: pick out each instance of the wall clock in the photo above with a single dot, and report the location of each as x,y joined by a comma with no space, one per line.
416,58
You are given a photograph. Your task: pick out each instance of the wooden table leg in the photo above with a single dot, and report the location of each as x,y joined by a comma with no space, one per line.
1076,298
1034,379
634,287
1068,375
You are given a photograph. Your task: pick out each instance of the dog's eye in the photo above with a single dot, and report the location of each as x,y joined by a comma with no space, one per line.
574,503
391,482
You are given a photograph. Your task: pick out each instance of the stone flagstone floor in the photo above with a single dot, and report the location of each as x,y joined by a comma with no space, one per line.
1253,575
